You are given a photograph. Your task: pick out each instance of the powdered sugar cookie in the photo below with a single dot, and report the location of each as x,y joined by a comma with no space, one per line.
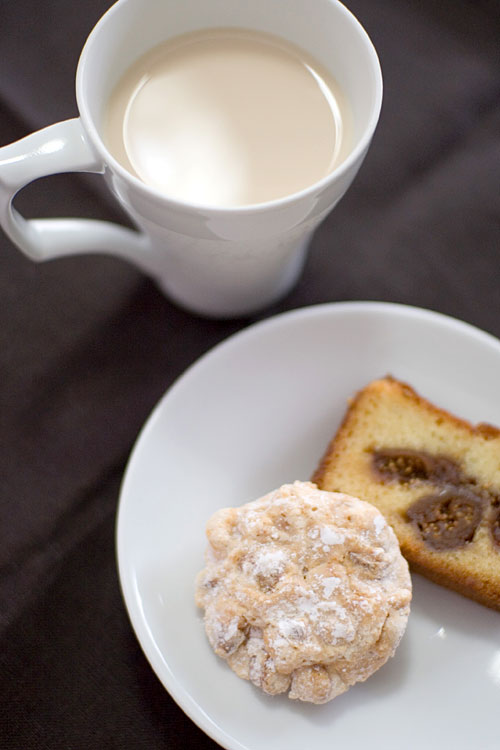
304,591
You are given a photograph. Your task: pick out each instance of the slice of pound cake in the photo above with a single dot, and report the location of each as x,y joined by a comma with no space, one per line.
435,478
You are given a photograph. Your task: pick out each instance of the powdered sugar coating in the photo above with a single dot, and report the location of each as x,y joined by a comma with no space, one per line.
303,590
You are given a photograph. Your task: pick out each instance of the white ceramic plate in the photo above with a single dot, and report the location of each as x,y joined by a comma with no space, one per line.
258,411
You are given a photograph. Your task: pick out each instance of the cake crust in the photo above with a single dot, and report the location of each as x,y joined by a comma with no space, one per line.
452,469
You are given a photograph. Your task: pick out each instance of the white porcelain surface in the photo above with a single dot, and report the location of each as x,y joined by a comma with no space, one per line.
217,262
258,411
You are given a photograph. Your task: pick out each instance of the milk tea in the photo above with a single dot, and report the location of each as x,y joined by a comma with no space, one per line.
228,117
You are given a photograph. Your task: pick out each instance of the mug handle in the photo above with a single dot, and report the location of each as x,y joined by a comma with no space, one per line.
62,147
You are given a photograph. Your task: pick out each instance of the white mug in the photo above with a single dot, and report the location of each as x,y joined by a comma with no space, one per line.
218,262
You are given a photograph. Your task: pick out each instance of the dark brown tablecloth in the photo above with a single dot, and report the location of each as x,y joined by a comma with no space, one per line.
88,345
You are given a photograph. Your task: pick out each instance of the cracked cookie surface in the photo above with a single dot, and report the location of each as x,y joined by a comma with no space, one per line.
304,591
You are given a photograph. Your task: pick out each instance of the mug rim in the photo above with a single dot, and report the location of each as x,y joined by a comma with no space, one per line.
159,196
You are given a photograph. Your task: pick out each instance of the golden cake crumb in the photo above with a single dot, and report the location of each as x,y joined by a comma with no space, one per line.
435,478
